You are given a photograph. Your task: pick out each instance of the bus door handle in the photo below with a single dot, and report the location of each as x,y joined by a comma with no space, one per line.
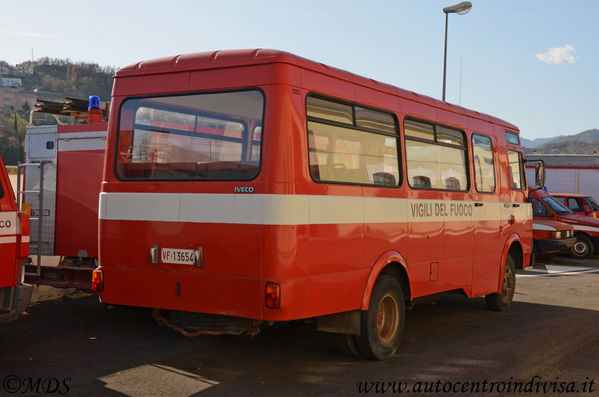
478,204
516,205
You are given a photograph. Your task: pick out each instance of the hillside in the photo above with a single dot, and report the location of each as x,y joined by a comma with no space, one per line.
60,77
46,78
586,142
535,142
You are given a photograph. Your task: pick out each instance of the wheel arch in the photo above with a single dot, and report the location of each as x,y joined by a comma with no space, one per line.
513,247
517,252
392,263
582,233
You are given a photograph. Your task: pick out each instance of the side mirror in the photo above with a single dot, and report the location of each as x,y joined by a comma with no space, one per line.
540,174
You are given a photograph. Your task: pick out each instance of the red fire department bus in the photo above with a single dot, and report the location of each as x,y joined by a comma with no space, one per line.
248,187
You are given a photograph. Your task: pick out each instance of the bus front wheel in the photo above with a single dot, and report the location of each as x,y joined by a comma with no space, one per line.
382,324
503,301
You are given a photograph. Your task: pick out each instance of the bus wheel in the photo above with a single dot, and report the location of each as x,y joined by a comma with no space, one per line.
582,248
503,300
383,323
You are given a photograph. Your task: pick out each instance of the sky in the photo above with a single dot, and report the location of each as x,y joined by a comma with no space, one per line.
533,63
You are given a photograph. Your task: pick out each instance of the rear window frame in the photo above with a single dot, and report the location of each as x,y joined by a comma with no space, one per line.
188,93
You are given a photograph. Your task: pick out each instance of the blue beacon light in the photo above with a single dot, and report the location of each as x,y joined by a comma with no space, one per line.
94,102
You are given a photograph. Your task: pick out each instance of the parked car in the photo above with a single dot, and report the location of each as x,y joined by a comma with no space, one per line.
551,237
586,228
581,204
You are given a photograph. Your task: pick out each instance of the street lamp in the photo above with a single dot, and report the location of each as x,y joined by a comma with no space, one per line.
460,8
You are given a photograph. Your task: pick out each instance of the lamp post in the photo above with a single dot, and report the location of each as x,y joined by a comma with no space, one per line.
460,8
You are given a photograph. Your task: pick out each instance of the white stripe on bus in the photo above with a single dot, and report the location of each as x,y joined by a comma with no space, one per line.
287,209
8,240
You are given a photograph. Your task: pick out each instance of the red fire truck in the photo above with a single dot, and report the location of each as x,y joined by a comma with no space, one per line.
247,187
63,173
15,295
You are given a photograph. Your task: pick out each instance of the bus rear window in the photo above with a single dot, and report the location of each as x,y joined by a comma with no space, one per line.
209,136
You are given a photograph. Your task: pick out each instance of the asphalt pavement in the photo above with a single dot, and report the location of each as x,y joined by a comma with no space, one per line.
548,340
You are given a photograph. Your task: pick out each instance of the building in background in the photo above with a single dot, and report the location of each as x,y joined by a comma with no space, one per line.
11,82
567,173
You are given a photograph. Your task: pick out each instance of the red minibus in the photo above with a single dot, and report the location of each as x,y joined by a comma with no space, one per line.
248,187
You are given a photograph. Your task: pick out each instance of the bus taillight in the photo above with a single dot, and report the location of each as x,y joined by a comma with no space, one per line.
98,280
273,295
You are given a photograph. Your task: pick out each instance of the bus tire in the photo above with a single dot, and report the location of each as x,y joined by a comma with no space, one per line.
583,247
503,301
382,324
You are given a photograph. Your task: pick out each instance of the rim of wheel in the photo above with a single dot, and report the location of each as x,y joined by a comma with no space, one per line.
387,318
580,247
508,282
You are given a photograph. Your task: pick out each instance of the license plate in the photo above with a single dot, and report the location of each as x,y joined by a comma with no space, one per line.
177,256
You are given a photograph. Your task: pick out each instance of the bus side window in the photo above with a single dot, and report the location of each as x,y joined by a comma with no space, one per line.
516,169
484,163
435,156
349,143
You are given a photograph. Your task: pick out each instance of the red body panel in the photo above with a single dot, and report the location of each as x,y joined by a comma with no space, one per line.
8,265
8,232
14,233
322,266
78,181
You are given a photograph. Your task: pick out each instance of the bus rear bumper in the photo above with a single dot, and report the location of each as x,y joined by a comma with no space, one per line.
175,291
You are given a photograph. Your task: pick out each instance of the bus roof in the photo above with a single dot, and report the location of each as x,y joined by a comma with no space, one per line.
232,58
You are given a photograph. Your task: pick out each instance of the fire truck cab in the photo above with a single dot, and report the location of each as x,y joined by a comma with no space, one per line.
14,249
